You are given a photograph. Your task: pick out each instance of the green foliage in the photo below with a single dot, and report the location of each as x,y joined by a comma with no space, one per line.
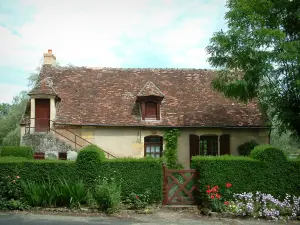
13,137
4,109
107,195
51,194
258,56
87,162
9,123
246,148
138,201
137,175
268,153
11,197
170,152
249,175
285,141
17,151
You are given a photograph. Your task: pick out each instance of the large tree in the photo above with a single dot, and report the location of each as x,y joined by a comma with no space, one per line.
258,56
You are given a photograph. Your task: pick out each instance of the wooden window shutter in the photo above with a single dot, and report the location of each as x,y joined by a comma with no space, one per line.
225,144
158,111
194,145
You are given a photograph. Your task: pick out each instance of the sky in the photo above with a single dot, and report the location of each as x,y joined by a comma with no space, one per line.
103,33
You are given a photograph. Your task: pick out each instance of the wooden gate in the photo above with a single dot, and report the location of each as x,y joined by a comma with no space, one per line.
180,186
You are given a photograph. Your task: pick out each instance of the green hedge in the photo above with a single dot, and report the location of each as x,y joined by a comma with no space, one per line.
17,151
246,174
138,175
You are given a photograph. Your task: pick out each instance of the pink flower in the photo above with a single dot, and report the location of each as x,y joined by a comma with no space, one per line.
14,181
8,176
18,177
212,197
226,203
137,197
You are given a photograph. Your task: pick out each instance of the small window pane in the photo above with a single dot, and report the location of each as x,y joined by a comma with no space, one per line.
153,155
148,149
158,149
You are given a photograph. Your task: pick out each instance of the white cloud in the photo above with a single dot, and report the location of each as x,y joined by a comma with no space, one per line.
86,32
8,91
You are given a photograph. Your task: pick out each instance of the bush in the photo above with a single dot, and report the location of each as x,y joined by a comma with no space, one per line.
138,175
249,175
268,153
246,148
107,195
17,151
87,162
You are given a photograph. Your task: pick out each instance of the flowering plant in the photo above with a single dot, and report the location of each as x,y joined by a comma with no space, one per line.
138,201
265,206
219,198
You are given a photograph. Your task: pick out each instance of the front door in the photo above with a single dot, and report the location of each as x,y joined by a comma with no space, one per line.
42,115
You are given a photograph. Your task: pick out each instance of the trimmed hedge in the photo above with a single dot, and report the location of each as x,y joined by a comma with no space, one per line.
17,151
138,175
272,174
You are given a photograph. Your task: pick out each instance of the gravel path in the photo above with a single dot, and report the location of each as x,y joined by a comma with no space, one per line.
170,217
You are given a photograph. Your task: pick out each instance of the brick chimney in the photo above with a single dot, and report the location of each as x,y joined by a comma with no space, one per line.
49,58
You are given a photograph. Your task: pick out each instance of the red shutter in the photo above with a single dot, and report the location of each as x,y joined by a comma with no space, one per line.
194,145
225,144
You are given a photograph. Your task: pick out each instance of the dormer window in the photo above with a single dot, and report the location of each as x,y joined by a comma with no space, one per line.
150,98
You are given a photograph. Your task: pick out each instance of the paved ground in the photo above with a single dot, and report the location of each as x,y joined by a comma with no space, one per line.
35,219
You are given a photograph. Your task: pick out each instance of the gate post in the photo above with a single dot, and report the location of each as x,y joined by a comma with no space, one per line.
165,183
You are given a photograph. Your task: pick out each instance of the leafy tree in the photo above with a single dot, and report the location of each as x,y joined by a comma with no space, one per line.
258,56
4,109
9,124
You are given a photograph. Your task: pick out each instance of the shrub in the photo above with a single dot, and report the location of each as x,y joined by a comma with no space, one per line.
138,175
268,153
248,175
138,201
246,148
88,161
17,151
107,195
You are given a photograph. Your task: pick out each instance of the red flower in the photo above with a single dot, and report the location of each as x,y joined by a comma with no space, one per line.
228,185
208,186
212,197
226,203
218,196
208,191
137,197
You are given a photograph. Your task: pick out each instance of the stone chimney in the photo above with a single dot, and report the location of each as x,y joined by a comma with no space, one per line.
49,58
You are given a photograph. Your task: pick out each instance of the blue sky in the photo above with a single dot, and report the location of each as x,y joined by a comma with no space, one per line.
96,33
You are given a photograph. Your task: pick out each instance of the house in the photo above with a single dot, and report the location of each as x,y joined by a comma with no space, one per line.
127,111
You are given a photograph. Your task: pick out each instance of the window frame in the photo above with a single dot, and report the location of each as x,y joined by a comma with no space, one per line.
154,99
212,147
153,143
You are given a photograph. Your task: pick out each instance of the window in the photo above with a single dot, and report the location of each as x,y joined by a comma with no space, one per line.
153,146
62,156
208,145
151,110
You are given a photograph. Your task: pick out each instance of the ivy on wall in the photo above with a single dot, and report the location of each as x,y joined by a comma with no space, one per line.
171,146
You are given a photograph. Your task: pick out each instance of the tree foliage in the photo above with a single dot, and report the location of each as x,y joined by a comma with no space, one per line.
258,56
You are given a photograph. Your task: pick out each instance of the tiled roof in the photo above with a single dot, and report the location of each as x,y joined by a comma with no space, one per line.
107,96
44,87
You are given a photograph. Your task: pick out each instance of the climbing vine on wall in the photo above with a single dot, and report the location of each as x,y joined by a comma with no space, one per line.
171,146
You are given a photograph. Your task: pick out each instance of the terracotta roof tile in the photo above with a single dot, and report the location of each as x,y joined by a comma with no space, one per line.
107,96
